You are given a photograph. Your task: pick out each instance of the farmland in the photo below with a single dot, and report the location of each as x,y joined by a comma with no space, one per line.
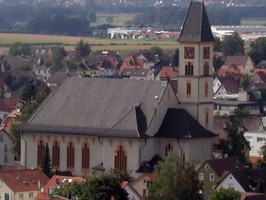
96,43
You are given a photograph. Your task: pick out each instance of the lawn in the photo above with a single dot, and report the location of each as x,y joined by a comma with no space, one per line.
96,43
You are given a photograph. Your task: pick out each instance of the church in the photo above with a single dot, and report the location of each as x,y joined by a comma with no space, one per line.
102,124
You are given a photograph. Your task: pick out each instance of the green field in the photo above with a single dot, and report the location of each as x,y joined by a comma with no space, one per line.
96,43
253,21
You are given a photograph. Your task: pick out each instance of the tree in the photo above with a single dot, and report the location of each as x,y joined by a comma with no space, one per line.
175,58
156,51
258,50
105,186
246,82
235,143
46,164
82,49
58,54
225,194
174,180
217,47
19,48
233,45
92,16
31,101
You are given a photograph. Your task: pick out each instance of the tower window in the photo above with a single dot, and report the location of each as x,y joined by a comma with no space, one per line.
206,69
206,87
206,52
189,69
188,89
206,119
189,52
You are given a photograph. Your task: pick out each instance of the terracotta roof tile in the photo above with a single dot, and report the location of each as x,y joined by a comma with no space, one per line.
24,179
169,72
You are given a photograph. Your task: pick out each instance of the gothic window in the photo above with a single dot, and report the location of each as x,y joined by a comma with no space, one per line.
206,86
189,69
206,52
206,69
40,152
168,149
55,154
120,158
85,156
70,155
189,52
188,89
206,119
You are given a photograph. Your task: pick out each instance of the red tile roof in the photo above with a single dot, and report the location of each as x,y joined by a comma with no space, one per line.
236,60
230,69
24,179
56,181
169,72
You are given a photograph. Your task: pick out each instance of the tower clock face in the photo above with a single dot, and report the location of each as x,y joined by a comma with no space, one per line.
189,52
206,52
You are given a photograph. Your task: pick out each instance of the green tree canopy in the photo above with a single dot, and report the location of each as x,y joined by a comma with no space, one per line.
174,180
225,194
58,54
105,186
156,51
217,47
246,82
175,58
258,50
19,48
233,45
235,143
82,49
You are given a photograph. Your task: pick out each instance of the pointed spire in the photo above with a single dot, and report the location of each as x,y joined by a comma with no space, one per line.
196,27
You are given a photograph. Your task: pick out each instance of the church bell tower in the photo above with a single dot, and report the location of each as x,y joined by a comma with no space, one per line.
195,80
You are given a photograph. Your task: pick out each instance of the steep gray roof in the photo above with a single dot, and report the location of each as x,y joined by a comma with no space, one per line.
196,27
105,107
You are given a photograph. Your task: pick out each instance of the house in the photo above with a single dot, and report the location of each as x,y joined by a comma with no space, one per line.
138,74
58,77
236,65
120,123
43,73
211,171
132,193
5,144
5,90
140,184
226,85
245,180
256,140
56,182
22,183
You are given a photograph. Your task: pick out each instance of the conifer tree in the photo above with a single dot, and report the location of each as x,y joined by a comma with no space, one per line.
46,162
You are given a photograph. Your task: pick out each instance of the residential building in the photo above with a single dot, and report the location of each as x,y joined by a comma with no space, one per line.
245,180
56,182
5,144
211,171
120,123
21,184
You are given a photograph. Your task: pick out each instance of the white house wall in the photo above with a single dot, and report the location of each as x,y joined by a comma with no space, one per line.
231,182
